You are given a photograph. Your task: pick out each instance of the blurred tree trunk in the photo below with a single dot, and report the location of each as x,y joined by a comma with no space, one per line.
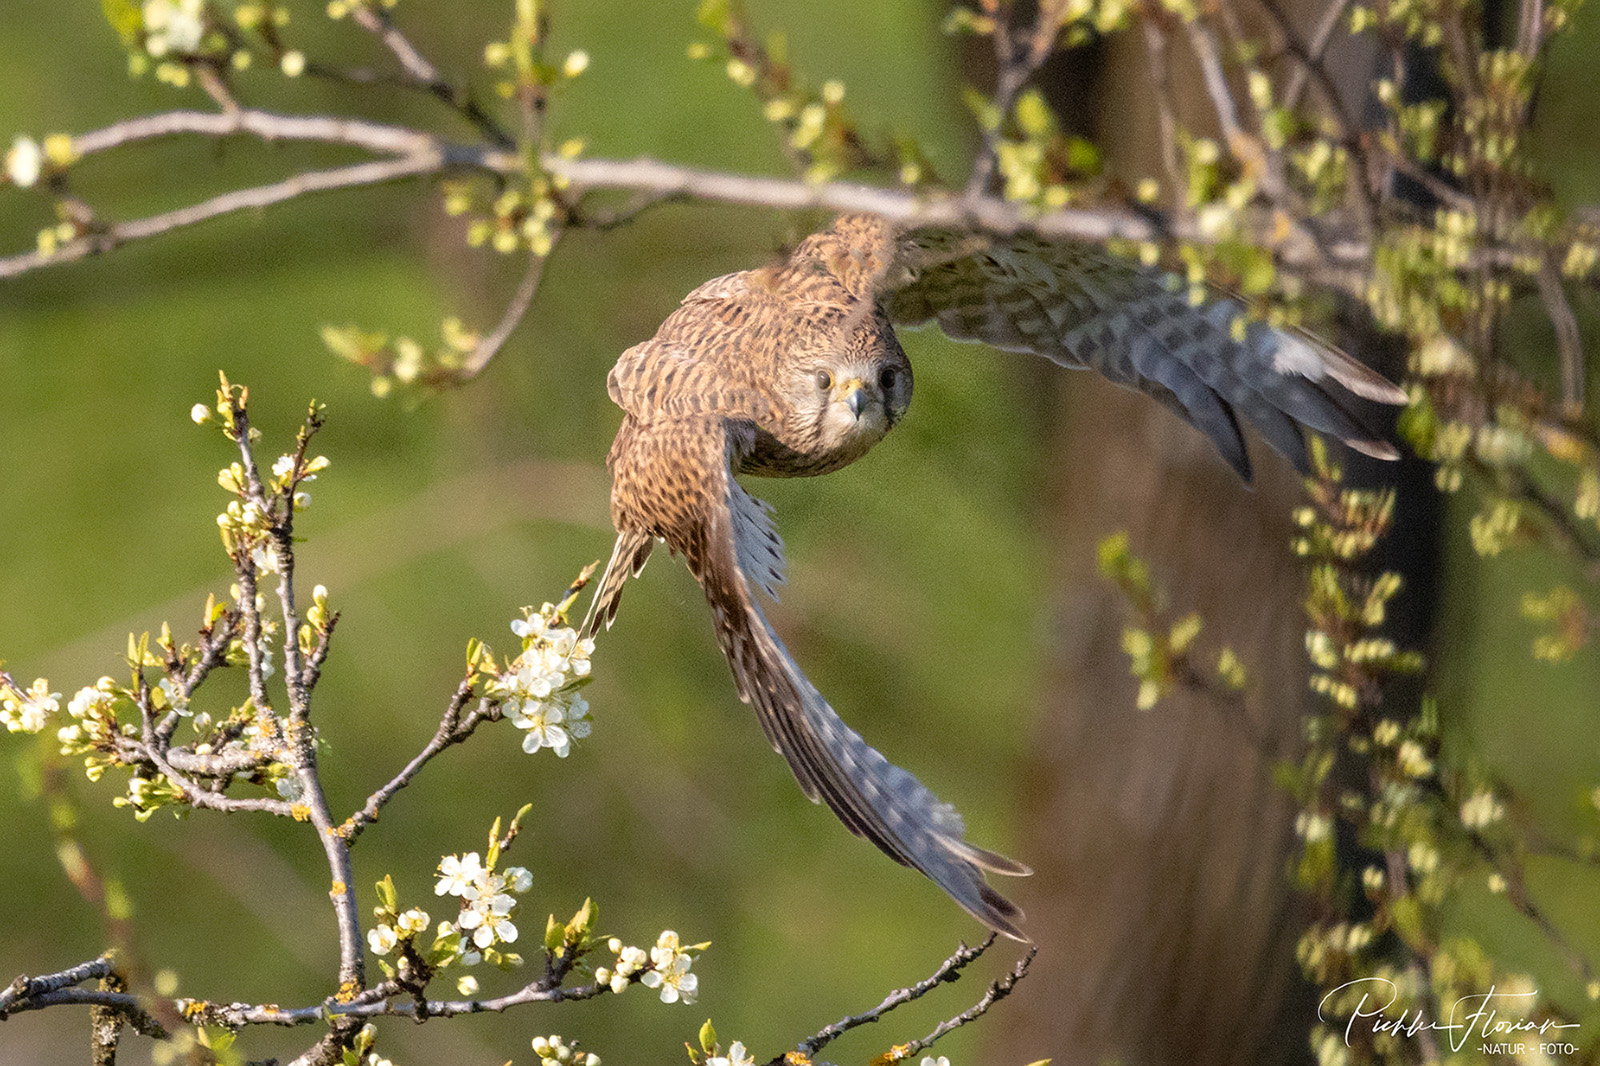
1165,919
1162,907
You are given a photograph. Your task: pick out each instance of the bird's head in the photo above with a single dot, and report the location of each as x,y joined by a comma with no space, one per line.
857,394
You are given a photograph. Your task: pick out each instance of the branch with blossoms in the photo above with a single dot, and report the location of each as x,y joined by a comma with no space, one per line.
172,746
171,749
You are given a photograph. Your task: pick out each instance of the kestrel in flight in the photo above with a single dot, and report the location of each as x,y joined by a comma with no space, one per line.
794,369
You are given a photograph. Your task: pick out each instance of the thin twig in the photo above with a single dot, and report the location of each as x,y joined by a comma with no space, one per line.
104,240
25,987
453,729
998,990
1341,259
215,87
1519,897
1435,185
1017,61
1559,520
1568,341
1208,53
490,344
423,74
1310,55
1530,28
301,737
1259,159
198,795
1155,43
268,126
28,994
612,218
377,22
949,970
36,993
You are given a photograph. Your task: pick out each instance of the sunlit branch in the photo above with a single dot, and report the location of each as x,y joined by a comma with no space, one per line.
948,970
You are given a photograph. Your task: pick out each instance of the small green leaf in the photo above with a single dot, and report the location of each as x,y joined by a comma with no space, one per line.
492,856
1033,115
982,108
578,929
708,1038
1183,633
716,16
125,17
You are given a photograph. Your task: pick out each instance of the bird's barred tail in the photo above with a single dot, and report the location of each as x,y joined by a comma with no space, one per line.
628,557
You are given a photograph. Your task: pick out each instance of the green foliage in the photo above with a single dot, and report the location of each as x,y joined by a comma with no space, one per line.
1419,828
1159,647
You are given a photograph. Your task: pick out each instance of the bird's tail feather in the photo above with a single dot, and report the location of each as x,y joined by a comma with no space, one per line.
628,557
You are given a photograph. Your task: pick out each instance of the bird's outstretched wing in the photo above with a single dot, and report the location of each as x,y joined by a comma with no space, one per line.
678,475
1081,307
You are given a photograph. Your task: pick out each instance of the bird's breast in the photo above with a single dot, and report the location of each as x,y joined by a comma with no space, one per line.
772,456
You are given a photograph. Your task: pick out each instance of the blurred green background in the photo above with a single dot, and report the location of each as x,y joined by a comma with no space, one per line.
912,602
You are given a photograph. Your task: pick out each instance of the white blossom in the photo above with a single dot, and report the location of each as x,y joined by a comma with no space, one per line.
382,939
175,697
173,26
457,874
1481,810
413,921
490,924
25,161
738,1056
28,711
542,719
670,972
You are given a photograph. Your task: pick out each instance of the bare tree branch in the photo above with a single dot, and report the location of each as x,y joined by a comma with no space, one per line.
1338,258
998,990
422,74
110,236
490,344
1017,60
53,990
1311,53
1568,341
1155,43
1311,65
949,970
453,729
36,993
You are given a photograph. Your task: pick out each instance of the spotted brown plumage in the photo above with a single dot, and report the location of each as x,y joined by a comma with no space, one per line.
794,370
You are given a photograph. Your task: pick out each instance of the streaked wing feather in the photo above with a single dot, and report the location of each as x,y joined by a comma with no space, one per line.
1080,307
678,473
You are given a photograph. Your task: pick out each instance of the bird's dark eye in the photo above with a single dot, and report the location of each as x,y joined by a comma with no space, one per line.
886,377
824,380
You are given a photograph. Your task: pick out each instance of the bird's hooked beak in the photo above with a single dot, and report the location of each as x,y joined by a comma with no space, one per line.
854,394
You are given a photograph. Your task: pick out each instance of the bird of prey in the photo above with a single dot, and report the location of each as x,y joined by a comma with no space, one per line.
794,369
